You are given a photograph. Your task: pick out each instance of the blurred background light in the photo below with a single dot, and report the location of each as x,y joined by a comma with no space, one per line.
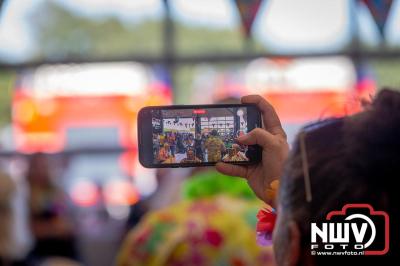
85,193
313,25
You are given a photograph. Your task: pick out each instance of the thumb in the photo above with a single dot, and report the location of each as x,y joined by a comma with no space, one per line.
258,136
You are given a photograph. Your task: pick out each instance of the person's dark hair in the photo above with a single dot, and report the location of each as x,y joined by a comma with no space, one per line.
355,159
38,169
214,132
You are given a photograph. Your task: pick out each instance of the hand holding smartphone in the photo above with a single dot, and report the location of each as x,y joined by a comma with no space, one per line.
197,135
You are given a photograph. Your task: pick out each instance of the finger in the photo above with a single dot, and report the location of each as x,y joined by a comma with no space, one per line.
231,169
258,136
270,117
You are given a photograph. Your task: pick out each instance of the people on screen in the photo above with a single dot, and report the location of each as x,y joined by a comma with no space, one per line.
179,147
191,158
214,147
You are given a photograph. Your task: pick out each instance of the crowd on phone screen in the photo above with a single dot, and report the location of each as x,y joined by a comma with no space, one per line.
187,147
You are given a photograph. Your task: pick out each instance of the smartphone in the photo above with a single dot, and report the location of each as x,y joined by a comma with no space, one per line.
196,135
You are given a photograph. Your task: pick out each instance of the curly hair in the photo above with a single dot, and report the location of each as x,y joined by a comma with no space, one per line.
354,159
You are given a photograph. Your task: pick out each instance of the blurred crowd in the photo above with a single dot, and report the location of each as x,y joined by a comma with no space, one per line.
49,222
190,210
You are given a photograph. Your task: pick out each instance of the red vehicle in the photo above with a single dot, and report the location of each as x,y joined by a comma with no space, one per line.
53,99
64,107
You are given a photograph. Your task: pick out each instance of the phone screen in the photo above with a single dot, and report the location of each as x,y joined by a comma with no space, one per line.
199,135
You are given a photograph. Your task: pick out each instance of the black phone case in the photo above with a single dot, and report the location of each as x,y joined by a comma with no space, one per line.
257,149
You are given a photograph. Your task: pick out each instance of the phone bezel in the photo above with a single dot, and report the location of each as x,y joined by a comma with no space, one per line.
145,134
